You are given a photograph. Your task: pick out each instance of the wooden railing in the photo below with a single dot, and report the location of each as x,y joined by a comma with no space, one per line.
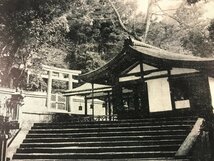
197,144
83,118
105,118
95,118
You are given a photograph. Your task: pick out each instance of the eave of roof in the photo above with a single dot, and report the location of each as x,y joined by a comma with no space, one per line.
169,59
87,89
148,54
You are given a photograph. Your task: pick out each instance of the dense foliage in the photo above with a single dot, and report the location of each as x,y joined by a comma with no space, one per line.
84,34
63,33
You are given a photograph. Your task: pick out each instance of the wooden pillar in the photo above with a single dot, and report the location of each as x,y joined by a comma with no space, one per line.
106,104
92,101
144,92
109,106
49,89
86,106
145,99
136,98
117,97
70,87
70,83
171,90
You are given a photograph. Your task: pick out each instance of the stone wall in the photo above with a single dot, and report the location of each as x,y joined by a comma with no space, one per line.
35,106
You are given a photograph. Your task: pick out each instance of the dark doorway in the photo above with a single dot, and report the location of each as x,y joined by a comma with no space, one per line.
135,101
192,87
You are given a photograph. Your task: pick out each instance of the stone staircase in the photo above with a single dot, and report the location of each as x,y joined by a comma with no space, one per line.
148,139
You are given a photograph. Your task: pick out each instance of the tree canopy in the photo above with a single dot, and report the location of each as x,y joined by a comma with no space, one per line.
84,34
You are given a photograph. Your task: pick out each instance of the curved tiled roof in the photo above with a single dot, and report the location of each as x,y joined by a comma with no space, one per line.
149,54
162,58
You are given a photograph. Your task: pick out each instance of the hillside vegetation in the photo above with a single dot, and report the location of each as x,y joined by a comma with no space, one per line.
84,34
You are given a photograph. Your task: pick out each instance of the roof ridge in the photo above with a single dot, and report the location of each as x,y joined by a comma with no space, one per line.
143,44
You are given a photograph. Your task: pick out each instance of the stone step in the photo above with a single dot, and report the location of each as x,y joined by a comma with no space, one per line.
112,124
104,138
104,143
131,159
97,134
151,119
145,148
104,155
144,139
70,130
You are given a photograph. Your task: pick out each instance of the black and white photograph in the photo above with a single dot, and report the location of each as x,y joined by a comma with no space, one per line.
106,80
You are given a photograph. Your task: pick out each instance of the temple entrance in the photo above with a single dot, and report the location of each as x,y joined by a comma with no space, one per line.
134,100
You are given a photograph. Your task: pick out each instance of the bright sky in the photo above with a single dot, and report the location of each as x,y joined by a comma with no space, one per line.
164,4
209,9
173,4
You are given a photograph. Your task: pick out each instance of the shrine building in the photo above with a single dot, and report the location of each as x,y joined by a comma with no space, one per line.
143,80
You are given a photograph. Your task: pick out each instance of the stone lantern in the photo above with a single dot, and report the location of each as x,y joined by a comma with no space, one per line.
13,105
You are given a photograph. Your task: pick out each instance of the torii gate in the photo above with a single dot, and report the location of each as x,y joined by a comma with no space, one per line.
58,74
54,73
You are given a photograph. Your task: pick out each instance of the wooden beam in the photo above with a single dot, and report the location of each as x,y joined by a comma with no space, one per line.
153,71
86,90
144,72
98,97
61,70
186,75
132,74
131,82
145,79
129,69
156,77
86,93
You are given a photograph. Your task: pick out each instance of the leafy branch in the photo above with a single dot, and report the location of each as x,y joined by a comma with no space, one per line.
131,33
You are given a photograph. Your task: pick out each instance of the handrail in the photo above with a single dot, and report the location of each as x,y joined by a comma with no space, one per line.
90,118
191,139
97,118
105,117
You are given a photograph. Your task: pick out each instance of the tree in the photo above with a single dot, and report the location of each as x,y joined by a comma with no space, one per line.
195,38
70,33
197,44
211,30
176,31
192,1
27,26
93,29
129,16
